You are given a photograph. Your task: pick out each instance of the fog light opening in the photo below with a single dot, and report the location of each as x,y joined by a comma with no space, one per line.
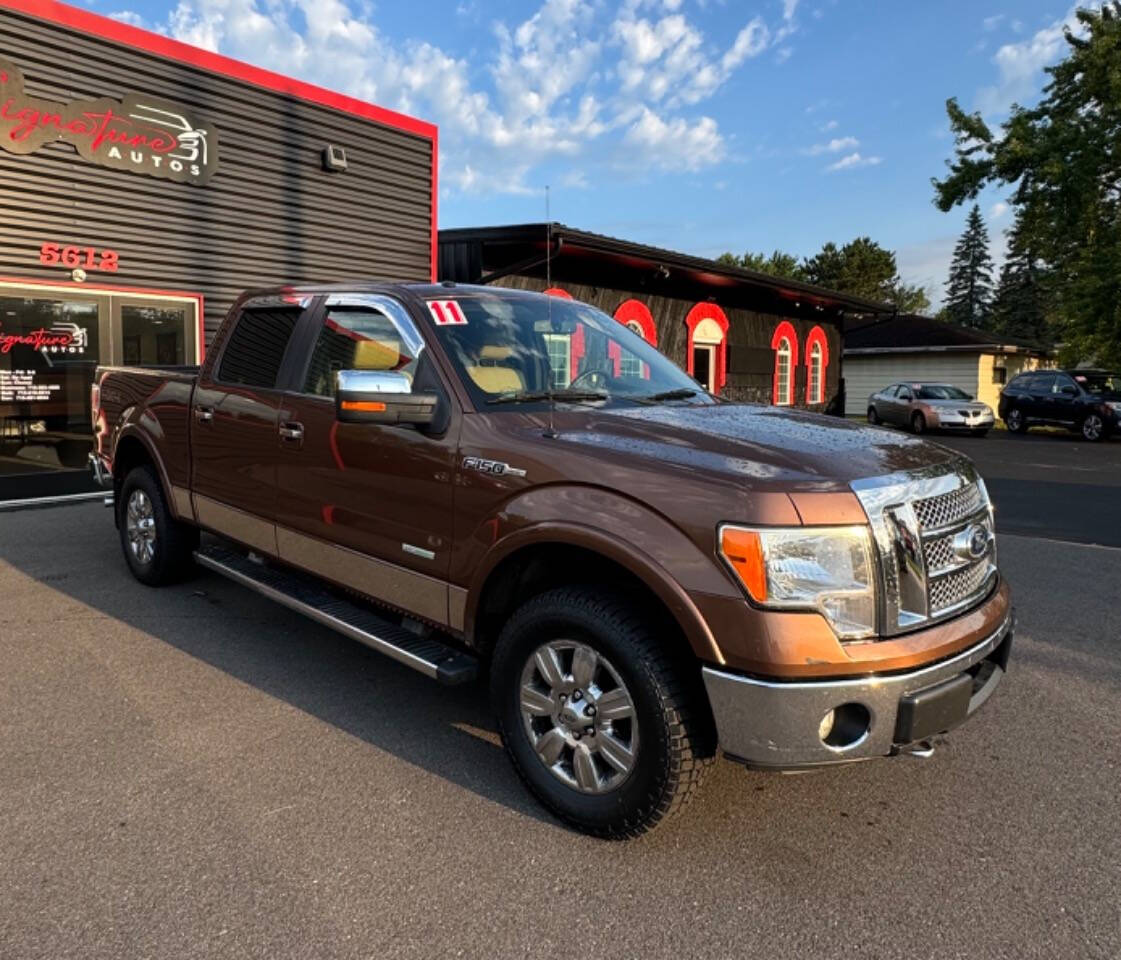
845,726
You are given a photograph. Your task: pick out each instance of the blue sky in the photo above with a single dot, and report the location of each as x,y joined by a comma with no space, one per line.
700,125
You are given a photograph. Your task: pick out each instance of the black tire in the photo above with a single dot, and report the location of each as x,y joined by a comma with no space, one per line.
174,542
676,742
1092,427
918,423
1015,421
873,417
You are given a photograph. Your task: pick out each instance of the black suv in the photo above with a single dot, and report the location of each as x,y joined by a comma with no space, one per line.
1084,400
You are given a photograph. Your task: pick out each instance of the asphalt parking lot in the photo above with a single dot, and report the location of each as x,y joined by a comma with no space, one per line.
195,772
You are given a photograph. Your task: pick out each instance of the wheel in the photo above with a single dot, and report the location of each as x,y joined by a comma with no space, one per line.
158,548
1093,427
918,423
602,723
873,417
1016,421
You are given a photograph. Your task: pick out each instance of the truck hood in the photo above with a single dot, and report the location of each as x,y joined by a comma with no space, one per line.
767,446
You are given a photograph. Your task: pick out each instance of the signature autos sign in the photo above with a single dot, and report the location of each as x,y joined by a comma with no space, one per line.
139,134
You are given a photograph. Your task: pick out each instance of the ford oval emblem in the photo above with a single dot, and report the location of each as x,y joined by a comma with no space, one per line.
972,543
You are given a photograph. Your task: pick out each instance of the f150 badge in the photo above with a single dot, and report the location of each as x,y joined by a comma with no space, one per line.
496,468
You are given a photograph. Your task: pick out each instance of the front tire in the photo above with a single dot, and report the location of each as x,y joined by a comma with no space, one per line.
1092,428
606,728
873,417
918,424
1016,421
158,548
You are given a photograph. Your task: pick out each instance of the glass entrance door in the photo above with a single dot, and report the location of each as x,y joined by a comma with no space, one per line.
51,341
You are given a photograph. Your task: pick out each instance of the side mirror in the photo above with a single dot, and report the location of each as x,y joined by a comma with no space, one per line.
381,396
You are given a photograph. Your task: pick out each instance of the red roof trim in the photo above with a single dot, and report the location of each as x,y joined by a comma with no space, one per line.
162,46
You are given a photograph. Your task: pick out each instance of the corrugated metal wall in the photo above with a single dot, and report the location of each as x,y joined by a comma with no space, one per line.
748,332
270,214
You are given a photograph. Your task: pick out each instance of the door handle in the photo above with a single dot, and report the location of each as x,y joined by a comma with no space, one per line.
292,431
204,414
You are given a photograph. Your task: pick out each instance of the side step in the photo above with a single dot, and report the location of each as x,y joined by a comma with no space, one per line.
306,596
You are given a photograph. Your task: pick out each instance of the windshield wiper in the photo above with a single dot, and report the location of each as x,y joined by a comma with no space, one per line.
682,393
560,396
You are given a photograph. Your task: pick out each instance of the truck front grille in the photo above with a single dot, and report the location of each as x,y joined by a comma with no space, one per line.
935,543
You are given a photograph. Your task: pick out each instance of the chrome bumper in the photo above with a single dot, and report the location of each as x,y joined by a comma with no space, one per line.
102,475
778,725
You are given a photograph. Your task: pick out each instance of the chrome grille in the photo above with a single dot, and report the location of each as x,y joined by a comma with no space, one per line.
933,513
924,522
957,587
939,554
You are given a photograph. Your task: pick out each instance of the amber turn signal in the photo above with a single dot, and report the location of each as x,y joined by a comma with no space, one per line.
743,549
363,406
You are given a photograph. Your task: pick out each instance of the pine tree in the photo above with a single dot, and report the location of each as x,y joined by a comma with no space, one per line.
1020,305
969,289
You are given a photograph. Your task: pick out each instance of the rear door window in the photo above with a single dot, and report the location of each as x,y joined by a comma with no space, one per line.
1042,384
255,349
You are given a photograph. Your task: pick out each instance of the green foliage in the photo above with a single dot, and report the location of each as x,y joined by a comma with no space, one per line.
861,268
778,264
1020,307
969,290
1062,160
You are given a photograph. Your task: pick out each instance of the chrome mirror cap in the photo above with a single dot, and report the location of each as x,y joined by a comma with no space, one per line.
372,381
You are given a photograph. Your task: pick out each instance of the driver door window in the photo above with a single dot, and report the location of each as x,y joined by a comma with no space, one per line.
358,338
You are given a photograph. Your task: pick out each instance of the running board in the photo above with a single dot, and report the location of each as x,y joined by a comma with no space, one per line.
430,657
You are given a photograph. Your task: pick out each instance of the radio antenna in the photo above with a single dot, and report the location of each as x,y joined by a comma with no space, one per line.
551,432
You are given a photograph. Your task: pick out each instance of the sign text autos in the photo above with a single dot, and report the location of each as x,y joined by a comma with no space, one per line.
140,134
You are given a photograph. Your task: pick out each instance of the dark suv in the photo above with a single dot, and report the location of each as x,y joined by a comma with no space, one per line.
1085,400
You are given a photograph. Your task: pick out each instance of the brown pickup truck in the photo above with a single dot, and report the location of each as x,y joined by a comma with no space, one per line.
474,479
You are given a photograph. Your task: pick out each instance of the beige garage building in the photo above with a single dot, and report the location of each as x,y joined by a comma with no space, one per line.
914,348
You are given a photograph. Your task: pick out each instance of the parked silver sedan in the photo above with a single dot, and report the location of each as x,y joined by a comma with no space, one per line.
930,406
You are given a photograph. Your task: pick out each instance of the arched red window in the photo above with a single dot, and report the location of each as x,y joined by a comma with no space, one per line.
636,315
706,357
817,361
558,292
784,342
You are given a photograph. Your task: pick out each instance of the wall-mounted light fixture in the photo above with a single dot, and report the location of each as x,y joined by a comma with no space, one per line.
334,158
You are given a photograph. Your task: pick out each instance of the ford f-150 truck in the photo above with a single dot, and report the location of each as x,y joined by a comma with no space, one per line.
474,479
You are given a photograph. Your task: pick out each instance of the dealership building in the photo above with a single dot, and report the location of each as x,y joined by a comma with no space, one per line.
144,184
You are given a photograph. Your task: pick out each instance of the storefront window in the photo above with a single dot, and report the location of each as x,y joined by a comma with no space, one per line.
154,335
49,348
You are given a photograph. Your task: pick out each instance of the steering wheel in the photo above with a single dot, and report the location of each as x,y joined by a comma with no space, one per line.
590,380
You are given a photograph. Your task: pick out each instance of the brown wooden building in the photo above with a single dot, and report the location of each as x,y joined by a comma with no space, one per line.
745,335
144,184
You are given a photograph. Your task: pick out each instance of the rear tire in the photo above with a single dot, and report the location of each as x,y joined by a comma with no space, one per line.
1092,428
918,424
1016,421
158,548
576,645
873,417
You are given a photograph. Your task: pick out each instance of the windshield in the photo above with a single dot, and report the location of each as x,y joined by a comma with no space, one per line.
940,391
520,349
1099,384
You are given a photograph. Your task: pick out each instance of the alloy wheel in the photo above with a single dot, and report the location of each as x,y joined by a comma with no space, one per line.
579,716
1092,427
140,526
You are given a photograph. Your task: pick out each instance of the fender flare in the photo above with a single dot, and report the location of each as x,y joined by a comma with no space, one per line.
640,564
133,431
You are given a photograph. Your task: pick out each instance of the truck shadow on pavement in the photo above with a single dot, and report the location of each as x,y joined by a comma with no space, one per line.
447,731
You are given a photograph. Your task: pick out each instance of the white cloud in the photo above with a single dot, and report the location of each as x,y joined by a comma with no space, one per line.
998,210
852,161
991,23
836,145
830,125
677,144
1020,65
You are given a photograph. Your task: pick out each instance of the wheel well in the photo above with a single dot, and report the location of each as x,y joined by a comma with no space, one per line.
130,453
534,569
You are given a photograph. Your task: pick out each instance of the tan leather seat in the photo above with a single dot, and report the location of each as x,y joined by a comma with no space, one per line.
491,373
383,354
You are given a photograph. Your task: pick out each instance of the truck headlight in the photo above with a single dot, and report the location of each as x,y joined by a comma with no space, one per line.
825,569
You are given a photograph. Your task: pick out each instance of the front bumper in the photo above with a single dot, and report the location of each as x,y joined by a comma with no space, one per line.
956,421
778,725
